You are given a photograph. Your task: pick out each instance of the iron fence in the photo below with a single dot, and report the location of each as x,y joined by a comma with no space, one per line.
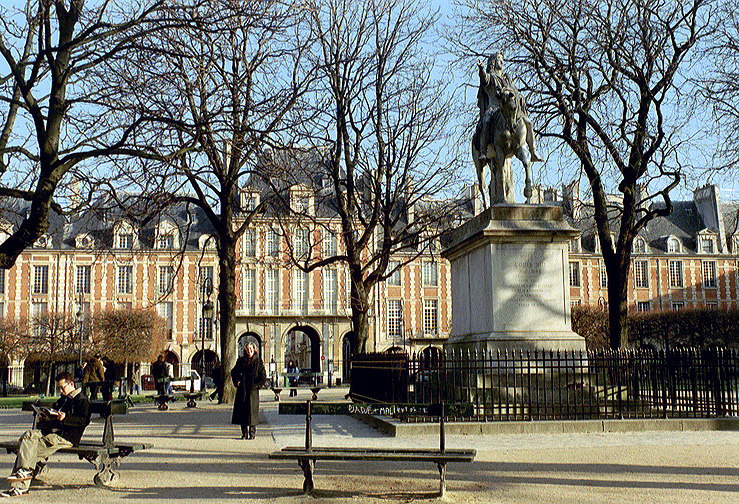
521,385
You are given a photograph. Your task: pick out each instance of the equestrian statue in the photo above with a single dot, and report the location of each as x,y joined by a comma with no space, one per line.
504,130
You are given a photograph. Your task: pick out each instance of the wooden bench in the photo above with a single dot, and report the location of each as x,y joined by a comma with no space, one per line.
308,455
104,455
315,389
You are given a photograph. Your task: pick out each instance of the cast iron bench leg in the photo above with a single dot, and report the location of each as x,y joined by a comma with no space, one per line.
307,466
191,403
104,465
442,478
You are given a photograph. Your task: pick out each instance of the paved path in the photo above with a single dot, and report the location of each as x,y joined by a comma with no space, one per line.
199,457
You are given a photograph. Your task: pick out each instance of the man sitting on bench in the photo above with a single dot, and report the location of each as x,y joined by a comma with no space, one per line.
60,426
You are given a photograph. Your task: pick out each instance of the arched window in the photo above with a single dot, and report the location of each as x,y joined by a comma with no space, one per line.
673,246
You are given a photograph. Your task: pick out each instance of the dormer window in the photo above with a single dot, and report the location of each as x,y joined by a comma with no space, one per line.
44,241
573,246
250,201
125,241
301,200
166,241
673,246
207,242
707,245
639,246
83,241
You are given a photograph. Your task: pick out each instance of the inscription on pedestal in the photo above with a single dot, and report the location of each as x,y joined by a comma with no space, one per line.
530,293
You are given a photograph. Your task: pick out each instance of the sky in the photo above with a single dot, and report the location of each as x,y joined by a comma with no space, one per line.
464,81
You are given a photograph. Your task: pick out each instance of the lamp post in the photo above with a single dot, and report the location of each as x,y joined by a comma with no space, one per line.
79,322
207,290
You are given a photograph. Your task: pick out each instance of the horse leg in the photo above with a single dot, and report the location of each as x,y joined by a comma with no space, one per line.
510,196
479,167
497,184
525,158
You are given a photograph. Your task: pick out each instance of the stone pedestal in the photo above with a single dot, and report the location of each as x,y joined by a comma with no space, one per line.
510,280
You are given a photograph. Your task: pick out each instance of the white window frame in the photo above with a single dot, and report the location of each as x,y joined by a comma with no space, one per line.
677,305
330,289
249,294
125,279
273,242
84,279
641,274
41,279
330,244
431,317
394,318
166,280
602,275
673,246
272,289
300,294
125,240
396,279
643,306
574,271
708,272
430,273
301,243
250,243
707,240
166,311
676,274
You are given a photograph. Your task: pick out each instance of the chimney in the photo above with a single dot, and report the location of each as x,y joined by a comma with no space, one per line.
571,199
708,203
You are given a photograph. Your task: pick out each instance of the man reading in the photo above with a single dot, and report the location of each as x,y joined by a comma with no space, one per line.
60,426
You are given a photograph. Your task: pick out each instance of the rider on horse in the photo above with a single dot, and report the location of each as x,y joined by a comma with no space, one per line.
493,80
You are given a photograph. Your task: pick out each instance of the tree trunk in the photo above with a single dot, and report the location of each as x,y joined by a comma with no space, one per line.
227,306
618,329
360,317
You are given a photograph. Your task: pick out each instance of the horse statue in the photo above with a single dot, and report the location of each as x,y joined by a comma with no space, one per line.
505,133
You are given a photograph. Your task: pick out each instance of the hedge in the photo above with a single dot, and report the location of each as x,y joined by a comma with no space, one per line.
696,327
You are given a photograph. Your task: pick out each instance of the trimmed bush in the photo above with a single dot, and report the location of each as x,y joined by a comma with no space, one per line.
697,327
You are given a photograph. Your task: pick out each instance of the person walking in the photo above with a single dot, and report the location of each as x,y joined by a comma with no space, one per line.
217,375
292,371
92,375
136,379
248,375
168,377
158,370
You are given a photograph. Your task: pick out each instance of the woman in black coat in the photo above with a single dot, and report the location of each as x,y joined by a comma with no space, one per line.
248,376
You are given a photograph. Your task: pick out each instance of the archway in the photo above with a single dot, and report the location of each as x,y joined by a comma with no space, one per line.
347,349
204,367
254,338
430,357
302,344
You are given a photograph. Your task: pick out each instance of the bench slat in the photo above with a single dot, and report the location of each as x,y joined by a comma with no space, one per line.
330,454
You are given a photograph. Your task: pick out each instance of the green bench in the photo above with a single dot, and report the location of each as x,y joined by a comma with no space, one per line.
308,455
104,455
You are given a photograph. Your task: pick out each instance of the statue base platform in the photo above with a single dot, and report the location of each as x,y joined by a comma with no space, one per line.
510,280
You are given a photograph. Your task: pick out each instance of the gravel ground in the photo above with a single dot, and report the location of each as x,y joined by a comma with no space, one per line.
199,457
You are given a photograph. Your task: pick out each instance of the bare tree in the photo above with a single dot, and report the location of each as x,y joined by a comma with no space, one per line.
721,86
53,337
55,122
129,335
605,80
222,91
382,132
12,339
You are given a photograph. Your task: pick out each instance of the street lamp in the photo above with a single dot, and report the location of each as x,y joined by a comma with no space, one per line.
207,290
79,322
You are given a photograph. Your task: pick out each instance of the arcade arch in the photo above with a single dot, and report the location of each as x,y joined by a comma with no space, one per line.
302,344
